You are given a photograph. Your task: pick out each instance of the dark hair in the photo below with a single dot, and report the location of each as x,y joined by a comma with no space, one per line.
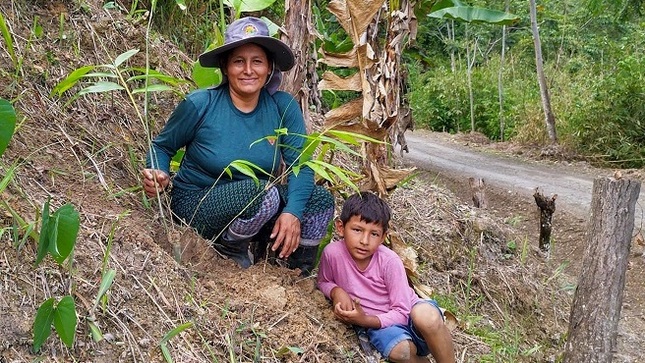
369,207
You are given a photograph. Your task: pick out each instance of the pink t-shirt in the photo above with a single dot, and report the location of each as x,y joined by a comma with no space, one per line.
382,287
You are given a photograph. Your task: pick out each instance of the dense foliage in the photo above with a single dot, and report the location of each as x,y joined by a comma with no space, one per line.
594,69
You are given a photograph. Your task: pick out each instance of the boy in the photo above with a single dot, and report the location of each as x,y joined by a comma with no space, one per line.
369,288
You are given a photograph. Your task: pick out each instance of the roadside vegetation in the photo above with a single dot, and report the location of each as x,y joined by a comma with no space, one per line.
593,65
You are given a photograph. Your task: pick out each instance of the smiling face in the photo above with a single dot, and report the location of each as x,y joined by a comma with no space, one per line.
247,69
362,239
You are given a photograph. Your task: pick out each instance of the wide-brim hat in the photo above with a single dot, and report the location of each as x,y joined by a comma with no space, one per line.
250,30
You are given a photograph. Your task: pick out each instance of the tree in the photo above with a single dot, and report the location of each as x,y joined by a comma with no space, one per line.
549,117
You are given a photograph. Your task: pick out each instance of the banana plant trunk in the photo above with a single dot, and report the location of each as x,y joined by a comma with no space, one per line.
299,36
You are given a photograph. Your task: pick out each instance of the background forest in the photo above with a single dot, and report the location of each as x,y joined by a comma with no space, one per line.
594,65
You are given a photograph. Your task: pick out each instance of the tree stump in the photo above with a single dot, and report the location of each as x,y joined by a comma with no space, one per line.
547,208
477,187
593,322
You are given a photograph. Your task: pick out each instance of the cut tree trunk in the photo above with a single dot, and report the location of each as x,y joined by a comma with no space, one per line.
477,187
547,208
593,322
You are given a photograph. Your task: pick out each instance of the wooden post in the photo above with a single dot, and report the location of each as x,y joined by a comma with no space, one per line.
593,322
477,187
547,208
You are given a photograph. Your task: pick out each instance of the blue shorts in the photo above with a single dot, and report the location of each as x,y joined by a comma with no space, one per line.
385,339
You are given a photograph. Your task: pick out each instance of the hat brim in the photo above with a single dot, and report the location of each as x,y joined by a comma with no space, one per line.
280,52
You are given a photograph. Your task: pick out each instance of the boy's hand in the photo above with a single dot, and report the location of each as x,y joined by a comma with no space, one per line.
340,297
349,316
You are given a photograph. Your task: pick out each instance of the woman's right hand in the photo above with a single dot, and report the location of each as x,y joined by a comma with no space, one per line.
154,181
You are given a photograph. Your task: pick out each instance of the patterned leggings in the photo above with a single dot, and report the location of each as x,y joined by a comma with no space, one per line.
210,211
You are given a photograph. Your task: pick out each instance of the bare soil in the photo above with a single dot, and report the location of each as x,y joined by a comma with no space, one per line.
88,152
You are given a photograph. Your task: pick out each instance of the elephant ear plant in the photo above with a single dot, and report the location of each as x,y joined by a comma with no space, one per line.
58,233
57,238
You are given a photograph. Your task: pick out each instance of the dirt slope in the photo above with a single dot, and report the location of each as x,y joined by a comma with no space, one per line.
89,152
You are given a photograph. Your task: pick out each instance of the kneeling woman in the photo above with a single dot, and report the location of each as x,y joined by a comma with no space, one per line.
238,121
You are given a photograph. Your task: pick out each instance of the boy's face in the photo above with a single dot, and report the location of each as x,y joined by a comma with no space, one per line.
361,238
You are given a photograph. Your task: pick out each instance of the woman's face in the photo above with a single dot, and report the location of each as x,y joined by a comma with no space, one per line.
247,69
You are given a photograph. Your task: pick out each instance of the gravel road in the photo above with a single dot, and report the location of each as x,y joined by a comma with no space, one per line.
572,184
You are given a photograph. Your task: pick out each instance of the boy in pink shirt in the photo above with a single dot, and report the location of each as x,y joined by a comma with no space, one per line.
368,287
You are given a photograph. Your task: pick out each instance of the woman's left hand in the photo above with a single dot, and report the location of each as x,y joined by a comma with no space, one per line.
286,232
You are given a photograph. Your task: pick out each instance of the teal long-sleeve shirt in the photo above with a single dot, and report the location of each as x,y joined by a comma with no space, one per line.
215,133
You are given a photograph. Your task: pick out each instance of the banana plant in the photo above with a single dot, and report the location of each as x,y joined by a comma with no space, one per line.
456,10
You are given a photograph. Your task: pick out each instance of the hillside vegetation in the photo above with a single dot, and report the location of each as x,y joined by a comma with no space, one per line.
172,298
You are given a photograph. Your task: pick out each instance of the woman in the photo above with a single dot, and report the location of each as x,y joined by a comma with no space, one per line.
238,120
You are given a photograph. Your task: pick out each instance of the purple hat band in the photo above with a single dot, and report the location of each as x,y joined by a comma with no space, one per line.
250,30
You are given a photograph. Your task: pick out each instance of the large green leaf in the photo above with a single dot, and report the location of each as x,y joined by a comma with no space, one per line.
472,14
43,323
63,229
206,77
65,320
7,123
248,5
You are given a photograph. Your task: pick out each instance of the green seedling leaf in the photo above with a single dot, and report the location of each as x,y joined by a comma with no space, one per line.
7,123
70,81
8,40
181,4
152,74
43,242
125,56
352,137
173,333
176,160
101,75
340,173
245,167
97,336
63,232
43,323
7,178
154,88
106,282
65,320
169,335
101,87
320,170
166,353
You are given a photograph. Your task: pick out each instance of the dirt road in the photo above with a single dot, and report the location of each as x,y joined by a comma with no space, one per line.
510,183
573,185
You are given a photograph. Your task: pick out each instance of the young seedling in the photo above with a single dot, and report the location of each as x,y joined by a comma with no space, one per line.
58,234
